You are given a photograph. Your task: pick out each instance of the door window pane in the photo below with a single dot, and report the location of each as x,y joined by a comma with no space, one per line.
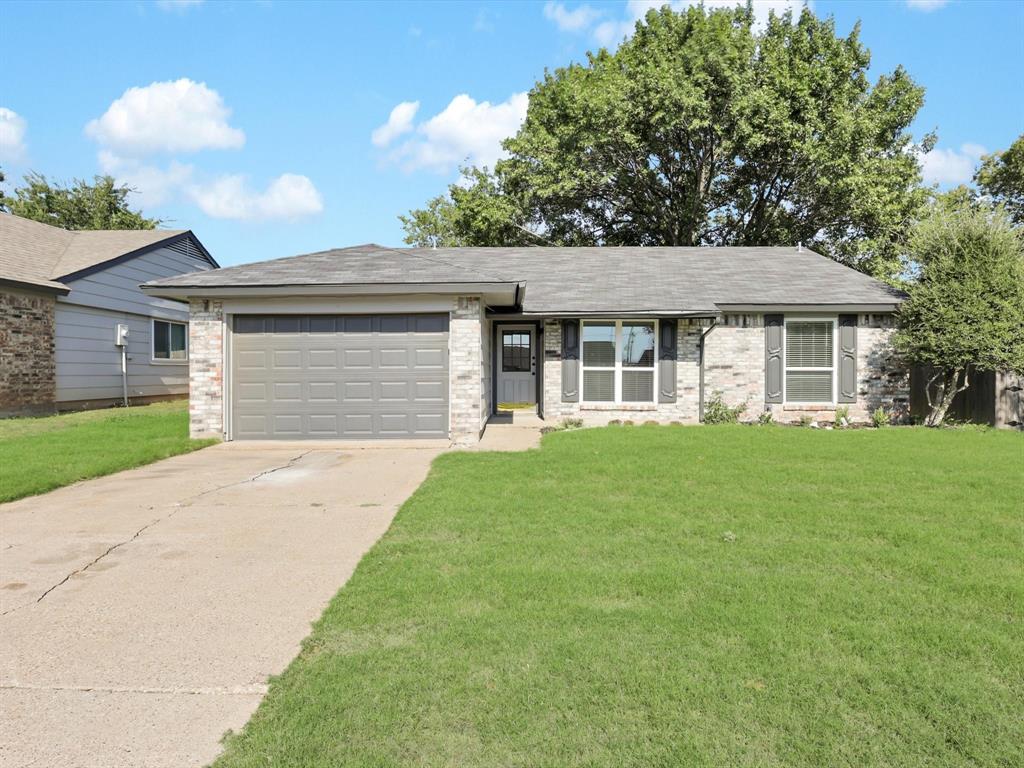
515,352
599,345
638,345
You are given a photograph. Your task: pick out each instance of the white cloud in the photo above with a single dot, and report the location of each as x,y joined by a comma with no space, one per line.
399,122
178,6
464,131
12,135
152,186
289,196
578,19
172,116
951,167
614,31
926,5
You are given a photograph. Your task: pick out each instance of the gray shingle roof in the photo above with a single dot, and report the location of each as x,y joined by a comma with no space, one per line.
584,280
38,254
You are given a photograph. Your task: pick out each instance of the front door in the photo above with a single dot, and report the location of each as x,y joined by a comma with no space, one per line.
517,365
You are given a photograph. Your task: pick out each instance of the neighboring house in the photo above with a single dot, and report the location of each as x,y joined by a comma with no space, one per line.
62,296
371,342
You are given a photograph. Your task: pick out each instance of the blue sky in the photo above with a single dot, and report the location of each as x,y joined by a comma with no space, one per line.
276,128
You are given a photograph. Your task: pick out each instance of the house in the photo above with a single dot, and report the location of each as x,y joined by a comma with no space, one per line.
62,297
374,342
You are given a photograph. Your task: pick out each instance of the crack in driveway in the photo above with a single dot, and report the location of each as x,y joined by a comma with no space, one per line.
187,502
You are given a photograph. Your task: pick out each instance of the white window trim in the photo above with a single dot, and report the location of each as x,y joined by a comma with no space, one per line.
619,367
834,319
153,359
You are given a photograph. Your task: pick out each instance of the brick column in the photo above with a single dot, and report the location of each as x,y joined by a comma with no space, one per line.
206,368
466,370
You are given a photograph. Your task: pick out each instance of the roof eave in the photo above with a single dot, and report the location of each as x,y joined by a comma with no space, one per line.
854,307
494,293
42,287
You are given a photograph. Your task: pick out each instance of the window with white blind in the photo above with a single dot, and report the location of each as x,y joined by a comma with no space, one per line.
618,361
810,361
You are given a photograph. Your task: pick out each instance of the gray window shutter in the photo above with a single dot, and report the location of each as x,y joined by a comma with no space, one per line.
667,362
570,361
847,359
773,358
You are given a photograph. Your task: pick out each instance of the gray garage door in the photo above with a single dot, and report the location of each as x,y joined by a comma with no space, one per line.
339,376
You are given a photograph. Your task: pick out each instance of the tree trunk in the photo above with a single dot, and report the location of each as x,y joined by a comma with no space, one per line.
949,388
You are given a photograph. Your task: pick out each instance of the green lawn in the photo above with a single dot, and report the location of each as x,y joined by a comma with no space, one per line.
38,455
678,596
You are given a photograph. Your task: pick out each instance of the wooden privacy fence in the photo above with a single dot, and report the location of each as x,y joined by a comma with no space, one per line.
995,398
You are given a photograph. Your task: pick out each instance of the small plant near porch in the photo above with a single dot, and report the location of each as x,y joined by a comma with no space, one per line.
966,308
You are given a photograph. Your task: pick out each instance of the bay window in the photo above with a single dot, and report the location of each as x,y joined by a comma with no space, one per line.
618,361
810,361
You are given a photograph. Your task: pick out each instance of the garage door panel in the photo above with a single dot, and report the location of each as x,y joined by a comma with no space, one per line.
322,359
288,391
393,358
323,392
358,392
286,359
340,376
432,359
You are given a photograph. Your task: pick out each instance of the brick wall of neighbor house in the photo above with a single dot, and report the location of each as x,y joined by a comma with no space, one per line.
734,368
206,368
27,369
466,370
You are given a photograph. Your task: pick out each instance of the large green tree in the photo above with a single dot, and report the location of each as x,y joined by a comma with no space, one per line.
100,205
1001,176
701,130
966,308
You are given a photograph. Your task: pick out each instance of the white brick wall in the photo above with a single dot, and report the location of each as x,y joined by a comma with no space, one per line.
734,367
206,368
466,371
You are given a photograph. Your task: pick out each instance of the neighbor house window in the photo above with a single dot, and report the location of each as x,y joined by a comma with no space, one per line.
618,361
170,340
810,361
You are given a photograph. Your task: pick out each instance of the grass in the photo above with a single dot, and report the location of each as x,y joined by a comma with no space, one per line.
677,596
516,406
40,454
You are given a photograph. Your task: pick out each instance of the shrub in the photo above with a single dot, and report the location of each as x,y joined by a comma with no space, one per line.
806,420
842,412
880,418
572,423
765,419
717,412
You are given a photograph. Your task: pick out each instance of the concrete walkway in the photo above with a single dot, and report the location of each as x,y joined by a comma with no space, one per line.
141,614
511,431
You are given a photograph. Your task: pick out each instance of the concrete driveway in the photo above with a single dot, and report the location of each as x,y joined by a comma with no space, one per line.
141,614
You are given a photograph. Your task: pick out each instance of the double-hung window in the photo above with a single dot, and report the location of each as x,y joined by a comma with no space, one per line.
170,341
618,361
810,361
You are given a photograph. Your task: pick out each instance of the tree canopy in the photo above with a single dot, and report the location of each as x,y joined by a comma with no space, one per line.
1001,176
701,130
966,307
100,205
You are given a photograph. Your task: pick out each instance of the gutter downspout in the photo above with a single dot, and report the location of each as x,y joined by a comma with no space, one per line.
704,335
